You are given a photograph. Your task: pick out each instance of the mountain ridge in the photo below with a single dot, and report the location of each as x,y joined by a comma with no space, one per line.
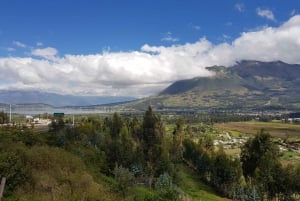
57,100
246,85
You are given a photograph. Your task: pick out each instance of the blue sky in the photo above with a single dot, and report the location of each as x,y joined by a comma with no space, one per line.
89,26
111,44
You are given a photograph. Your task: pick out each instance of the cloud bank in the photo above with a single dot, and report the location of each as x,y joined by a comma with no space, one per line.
149,70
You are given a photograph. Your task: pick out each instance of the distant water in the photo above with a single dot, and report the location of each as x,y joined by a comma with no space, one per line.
48,110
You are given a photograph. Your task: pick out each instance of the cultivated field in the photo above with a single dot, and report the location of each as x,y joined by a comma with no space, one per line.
276,129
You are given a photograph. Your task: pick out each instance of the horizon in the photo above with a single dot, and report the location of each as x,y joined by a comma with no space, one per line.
119,48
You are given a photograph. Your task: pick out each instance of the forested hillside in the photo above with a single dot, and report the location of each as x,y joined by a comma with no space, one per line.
131,158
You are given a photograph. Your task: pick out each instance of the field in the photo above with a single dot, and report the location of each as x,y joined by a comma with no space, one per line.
276,129
288,132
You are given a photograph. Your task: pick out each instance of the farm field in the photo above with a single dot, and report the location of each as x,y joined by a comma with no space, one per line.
276,129
286,132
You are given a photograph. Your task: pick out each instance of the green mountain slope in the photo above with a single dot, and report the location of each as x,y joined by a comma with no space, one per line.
246,85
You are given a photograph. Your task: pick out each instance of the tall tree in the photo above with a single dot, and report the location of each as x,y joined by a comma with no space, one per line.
177,142
254,150
266,176
127,148
116,126
226,173
152,139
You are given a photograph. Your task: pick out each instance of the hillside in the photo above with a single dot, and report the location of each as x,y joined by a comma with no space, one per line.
102,159
246,85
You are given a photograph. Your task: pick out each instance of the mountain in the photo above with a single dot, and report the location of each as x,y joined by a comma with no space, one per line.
57,100
246,85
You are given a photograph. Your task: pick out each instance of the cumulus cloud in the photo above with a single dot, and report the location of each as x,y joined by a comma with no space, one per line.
265,13
19,44
149,70
47,53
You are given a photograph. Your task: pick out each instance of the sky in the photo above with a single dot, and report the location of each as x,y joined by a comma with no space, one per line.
137,47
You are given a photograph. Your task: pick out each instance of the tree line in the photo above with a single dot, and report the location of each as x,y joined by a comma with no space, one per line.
257,175
137,152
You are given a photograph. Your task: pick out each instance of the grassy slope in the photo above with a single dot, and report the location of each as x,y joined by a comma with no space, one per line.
194,188
190,183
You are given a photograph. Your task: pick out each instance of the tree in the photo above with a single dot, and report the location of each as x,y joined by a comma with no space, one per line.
254,150
167,191
124,179
116,126
126,148
177,142
3,118
206,141
226,173
200,158
268,175
152,139
13,168
245,193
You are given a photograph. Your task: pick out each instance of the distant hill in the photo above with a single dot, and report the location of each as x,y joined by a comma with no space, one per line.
57,100
246,85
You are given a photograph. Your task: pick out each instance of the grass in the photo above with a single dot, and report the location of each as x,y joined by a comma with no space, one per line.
189,183
292,161
290,155
276,129
192,186
138,193
235,133
233,152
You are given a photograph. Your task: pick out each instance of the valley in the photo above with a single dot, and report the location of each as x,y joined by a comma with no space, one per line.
192,143
150,100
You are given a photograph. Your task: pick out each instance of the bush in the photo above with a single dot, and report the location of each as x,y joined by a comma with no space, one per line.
124,179
15,171
167,191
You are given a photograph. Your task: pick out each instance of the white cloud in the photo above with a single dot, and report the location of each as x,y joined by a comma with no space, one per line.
148,71
168,37
265,13
19,44
239,7
47,53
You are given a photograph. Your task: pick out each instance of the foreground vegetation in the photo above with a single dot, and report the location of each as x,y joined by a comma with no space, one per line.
131,158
